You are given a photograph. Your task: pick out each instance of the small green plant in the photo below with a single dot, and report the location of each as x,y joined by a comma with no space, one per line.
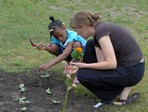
23,108
22,87
48,91
77,54
23,100
45,75
54,101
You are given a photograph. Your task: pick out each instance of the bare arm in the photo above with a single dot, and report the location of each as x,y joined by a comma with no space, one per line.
99,54
58,59
62,56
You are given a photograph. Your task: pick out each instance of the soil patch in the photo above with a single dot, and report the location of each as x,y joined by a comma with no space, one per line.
35,92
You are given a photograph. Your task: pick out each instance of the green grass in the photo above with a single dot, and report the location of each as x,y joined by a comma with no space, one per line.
21,19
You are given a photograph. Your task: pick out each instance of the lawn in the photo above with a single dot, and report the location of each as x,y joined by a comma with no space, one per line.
21,19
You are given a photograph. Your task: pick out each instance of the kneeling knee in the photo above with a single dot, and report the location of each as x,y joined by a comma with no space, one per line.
80,75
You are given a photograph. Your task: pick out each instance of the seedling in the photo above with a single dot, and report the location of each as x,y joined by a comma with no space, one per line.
55,101
23,100
22,87
48,91
23,108
45,75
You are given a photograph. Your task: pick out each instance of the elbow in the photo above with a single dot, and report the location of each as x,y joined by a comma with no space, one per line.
114,65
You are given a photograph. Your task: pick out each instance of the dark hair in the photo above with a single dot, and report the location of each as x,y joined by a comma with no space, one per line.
54,24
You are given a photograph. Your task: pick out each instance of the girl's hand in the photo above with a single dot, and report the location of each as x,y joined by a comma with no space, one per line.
78,64
41,47
43,67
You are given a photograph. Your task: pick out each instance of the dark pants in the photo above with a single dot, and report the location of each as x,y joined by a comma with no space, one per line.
108,84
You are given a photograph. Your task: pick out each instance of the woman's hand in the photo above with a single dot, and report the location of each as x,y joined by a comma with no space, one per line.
71,69
78,64
43,67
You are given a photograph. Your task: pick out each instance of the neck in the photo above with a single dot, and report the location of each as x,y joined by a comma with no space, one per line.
92,31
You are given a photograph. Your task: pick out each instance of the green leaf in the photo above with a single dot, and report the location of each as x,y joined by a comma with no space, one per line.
21,85
27,101
54,101
21,101
23,108
23,98
48,91
45,75
22,89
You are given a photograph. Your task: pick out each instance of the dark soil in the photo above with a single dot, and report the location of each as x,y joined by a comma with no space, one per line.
35,86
